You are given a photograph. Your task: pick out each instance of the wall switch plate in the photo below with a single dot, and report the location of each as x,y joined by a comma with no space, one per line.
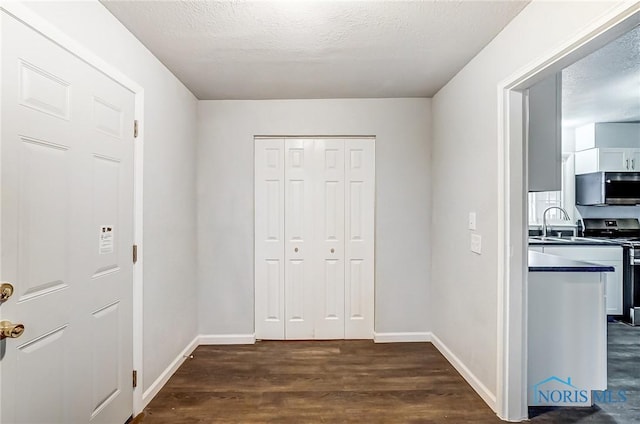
472,220
476,243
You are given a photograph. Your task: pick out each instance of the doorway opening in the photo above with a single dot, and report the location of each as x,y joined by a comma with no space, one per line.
514,204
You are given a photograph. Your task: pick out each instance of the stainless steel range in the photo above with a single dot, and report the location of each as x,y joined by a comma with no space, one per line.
625,232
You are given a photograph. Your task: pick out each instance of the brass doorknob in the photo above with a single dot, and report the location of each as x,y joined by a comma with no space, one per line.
9,330
6,290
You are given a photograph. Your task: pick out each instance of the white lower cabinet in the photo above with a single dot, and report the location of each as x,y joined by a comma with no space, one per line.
567,338
314,238
602,255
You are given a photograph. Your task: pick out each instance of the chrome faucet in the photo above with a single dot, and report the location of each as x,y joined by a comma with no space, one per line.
544,218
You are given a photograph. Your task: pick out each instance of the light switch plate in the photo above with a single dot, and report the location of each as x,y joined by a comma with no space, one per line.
472,220
476,243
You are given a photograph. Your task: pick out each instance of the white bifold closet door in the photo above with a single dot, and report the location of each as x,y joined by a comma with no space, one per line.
314,238
298,238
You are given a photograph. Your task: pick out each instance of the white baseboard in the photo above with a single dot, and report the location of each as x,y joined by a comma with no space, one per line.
227,339
401,337
168,372
466,373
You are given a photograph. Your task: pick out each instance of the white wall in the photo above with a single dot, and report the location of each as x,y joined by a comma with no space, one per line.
464,165
169,177
225,201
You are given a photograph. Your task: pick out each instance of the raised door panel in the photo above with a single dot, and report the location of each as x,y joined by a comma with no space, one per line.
44,219
106,226
269,239
43,91
299,271
40,394
329,239
359,238
106,380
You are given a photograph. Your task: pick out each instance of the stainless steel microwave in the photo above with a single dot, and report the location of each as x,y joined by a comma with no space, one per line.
608,188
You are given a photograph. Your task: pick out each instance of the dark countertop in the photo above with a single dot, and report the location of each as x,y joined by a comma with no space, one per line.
542,262
571,241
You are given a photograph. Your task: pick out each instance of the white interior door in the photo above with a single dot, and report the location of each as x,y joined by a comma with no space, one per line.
67,232
329,238
314,245
299,271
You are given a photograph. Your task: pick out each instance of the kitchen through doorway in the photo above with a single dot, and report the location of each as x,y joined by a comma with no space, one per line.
514,185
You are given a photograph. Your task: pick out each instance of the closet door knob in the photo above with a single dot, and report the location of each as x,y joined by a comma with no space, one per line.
333,250
295,250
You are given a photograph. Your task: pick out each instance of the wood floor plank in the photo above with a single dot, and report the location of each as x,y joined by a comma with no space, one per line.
317,382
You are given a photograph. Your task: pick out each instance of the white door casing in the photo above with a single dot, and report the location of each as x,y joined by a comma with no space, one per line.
67,232
328,227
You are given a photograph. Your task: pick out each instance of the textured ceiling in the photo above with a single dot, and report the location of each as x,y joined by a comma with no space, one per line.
314,48
604,86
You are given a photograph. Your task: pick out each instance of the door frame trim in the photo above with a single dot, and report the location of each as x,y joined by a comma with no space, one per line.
57,36
512,201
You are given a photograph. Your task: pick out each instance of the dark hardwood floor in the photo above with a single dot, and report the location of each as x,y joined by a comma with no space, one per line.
317,382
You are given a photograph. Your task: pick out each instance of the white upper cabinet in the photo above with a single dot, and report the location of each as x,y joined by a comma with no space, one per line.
608,146
544,134
608,134
608,159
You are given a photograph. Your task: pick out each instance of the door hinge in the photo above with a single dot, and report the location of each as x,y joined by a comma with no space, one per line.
134,376
135,128
135,253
